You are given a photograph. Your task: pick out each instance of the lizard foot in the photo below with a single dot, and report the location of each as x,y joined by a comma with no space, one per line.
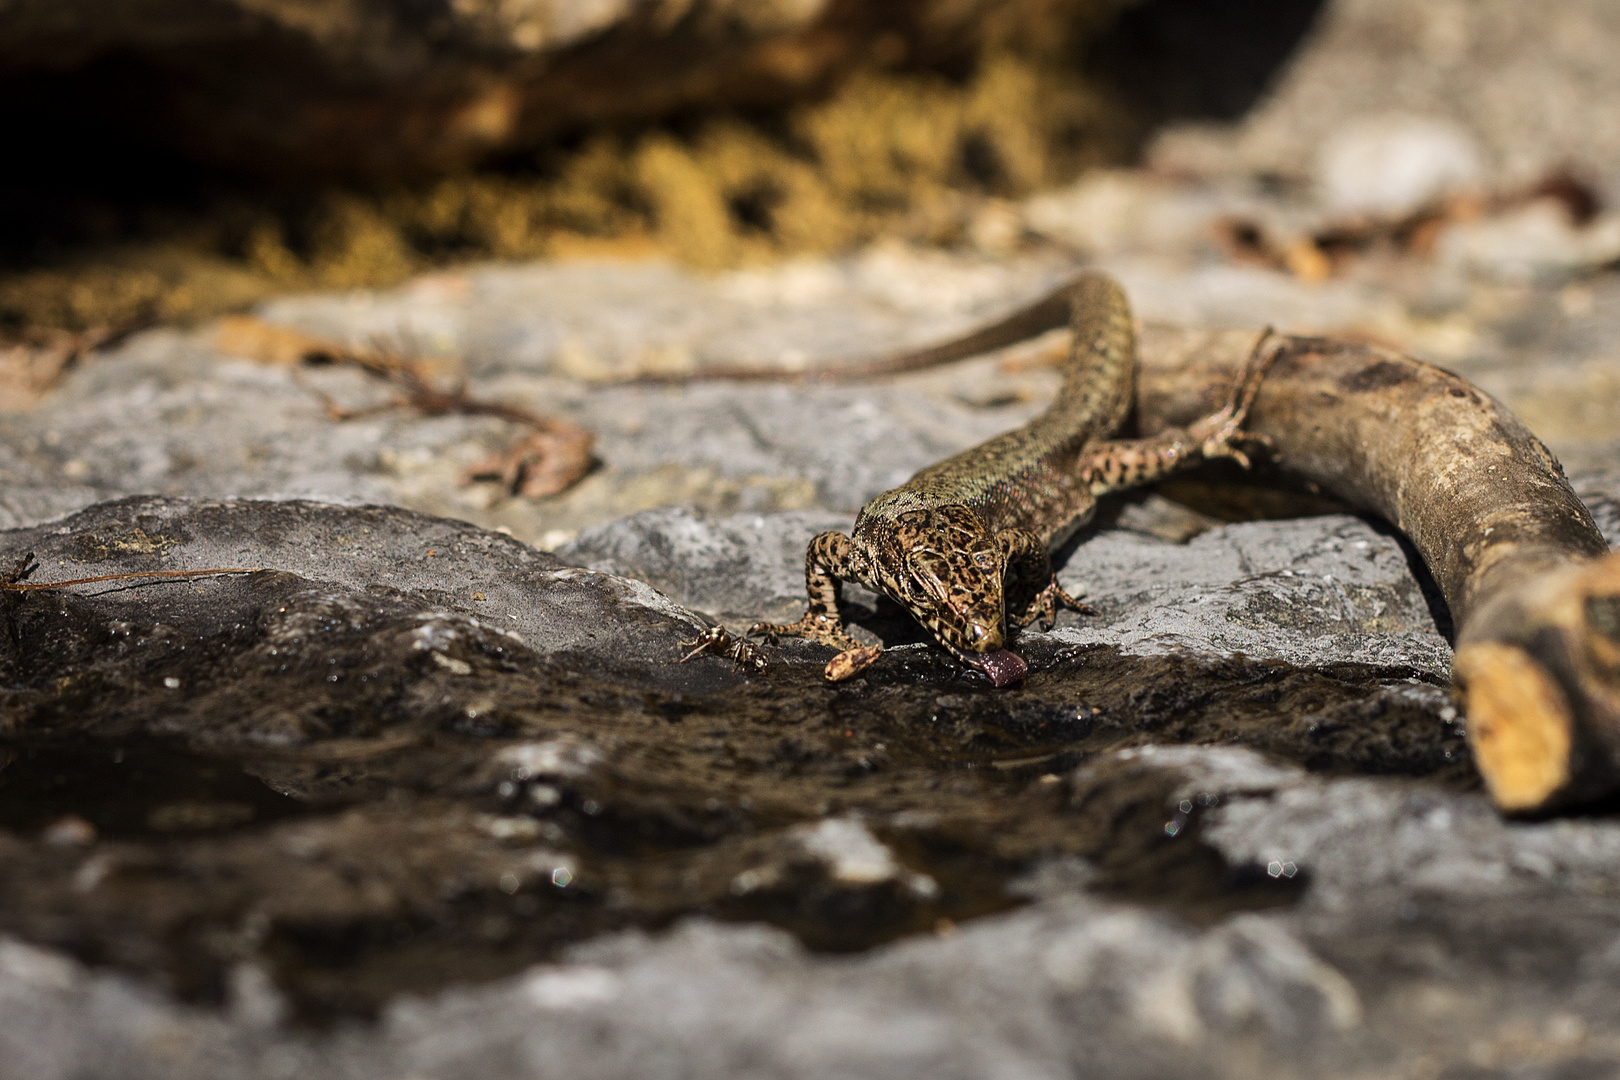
825,629
1219,431
1224,440
1047,601
851,661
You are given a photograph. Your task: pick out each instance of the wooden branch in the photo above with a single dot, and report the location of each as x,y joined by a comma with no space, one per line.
1533,592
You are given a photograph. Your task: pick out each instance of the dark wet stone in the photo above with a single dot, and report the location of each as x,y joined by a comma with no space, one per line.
408,755
347,574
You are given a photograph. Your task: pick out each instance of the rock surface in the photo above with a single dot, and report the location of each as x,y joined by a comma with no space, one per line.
162,412
304,791
1326,590
418,799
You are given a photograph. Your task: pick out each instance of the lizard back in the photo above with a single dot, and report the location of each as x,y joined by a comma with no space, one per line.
1029,477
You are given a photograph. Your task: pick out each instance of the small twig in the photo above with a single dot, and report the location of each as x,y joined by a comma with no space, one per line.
1330,247
11,581
34,362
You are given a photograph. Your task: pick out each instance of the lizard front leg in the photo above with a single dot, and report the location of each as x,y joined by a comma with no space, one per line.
1029,573
1217,433
828,563
1126,463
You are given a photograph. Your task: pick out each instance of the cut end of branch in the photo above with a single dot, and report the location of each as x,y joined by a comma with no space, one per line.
1519,724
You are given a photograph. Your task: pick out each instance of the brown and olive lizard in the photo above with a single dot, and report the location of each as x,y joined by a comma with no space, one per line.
966,541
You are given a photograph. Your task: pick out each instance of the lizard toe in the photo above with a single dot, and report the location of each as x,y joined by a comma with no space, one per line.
851,661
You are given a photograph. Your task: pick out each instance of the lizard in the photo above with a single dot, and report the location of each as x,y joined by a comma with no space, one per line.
964,545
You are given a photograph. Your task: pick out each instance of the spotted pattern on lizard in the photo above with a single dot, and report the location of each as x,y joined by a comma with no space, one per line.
964,544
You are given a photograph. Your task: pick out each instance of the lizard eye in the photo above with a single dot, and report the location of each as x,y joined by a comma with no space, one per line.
984,560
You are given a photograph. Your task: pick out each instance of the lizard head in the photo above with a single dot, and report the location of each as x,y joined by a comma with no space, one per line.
946,568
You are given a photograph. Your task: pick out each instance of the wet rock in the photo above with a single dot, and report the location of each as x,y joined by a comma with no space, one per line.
459,588
1391,959
410,754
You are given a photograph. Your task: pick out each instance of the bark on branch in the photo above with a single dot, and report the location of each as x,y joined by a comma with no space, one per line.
1533,592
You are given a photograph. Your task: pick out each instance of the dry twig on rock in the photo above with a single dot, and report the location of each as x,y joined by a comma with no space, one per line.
548,461
33,364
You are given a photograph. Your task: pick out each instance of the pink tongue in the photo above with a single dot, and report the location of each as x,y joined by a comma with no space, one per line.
1004,667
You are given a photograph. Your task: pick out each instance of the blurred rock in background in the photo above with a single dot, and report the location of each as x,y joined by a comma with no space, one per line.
394,88
1528,85
190,159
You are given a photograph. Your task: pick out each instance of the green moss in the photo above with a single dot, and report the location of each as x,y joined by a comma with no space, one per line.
886,153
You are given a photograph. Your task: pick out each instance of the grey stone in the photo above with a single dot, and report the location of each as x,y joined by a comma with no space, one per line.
1324,590
1394,165
742,568
162,413
1536,243
1319,591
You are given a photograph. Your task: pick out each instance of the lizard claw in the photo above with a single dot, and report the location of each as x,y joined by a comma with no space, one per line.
1224,444
827,630
1047,601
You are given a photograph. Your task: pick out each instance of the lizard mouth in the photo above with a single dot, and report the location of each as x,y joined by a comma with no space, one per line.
1002,667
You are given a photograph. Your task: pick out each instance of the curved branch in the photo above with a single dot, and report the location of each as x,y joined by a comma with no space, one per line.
1532,589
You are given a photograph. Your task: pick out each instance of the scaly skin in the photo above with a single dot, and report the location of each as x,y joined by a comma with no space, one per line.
968,538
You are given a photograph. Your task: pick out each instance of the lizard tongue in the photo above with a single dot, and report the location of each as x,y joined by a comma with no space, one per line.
1003,667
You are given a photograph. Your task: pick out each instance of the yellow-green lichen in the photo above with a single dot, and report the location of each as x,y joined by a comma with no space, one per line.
886,152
